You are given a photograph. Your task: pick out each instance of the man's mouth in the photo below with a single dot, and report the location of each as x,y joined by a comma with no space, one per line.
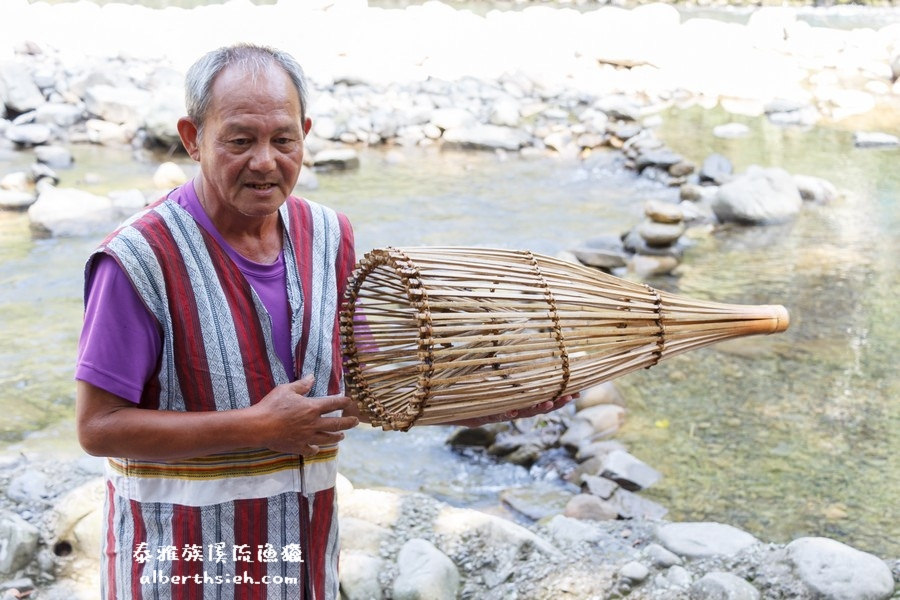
260,186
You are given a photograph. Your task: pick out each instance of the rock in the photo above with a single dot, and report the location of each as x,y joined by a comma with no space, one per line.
127,202
359,576
15,200
22,94
716,168
473,436
660,234
597,450
605,419
588,506
337,159
631,506
56,157
677,576
453,118
578,431
699,540
573,530
59,114
663,212
761,195
643,265
619,106
816,189
835,571
107,133
17,181
663,158
68,212
43,174
723,586
375,506
865,139
895,66
635,243
525,455
169,175
603,393
629,472
661,557
362,536
486,137
603,252
634,571
494,532
18,543
602,487
162,116
121,105
29,134
425,573
28,487
536,501
693,192
731,130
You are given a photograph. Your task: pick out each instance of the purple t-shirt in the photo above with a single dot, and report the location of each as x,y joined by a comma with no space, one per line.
121,342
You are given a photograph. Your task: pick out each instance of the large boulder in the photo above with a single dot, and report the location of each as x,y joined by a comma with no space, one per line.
162,116
700,540
486,137
835,571
22,93
66,212
120,105
425,573
760,195
18,543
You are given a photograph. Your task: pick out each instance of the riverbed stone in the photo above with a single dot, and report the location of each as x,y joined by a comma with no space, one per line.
481,437
603,252
425,573
21,93
169,175
634,571
536,501
56,157
605,419
716,168
59,114
161,118
660,557
76,518
485,137
66,212
572,529
597,485
118,104
628,471
107,133
18,543
663,212
731,130
28,487
703,539
359,574
760,195
16,200
602,393
816,189
660,234
336,159
643,265
875,139
28,134
719,585
589,506
836,571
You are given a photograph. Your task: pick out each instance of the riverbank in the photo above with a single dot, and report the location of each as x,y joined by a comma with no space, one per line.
545,107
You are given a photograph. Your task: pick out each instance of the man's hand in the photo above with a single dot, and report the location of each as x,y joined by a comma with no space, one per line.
294,423
537,409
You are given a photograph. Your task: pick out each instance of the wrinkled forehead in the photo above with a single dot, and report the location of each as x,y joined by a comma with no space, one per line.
254,88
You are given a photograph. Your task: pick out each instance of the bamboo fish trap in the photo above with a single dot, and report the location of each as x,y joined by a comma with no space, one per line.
438,334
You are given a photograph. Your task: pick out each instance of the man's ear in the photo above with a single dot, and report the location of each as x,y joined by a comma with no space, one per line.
187,130
307,125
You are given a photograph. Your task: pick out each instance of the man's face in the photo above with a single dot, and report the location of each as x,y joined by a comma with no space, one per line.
251,146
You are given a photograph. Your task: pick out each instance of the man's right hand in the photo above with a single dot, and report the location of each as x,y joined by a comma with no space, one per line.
295,423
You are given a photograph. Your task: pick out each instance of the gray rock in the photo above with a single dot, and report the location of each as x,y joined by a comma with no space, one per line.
579,430
629,472
453,118
18,543
599,450
816,189
663,158
731,130
536,501
29,134
76,518
425,573
42,174
590,507
836,571
602,487
568,530
644,265
486,137
895,66
723,586
16,200
678,576
525,455
56,157
603,393
663,212
634,571
339,159
661,557
605,419
359,576
362,536
698,540
635,243
107,133
619,107
660,234
162,116
761,195
60,114
716,168
70,212
473,436
169,175
118,104
866,139
604,252
28,487
22,94
631,506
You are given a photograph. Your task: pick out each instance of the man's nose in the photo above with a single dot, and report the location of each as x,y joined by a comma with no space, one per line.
263,158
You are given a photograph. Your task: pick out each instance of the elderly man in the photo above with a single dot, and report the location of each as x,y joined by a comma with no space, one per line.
209,364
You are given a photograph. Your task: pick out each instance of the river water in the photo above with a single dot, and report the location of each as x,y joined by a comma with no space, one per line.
789,435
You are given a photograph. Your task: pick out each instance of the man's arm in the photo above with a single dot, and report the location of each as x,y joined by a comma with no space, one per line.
284,421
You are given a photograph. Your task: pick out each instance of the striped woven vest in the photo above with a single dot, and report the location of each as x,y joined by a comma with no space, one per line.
244,524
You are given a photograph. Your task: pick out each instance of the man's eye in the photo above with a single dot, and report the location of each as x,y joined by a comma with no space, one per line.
240,141
283,141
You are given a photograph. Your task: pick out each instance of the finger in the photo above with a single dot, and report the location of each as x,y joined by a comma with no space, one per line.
326,438
304,385
327,404
311,450
331,424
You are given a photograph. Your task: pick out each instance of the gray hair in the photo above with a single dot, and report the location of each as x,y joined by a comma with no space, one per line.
254,59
